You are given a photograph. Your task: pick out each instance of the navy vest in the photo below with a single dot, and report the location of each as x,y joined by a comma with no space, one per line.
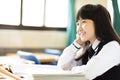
111,74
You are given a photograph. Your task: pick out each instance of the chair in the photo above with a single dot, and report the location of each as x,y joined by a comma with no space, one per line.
28,56
52,51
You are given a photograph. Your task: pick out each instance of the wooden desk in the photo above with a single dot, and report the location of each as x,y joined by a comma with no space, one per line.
13,59
43,57
46,72
46,58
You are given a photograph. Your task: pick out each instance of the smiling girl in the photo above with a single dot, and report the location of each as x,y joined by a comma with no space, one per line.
96,50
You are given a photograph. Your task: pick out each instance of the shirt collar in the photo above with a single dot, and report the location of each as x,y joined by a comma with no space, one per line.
95,44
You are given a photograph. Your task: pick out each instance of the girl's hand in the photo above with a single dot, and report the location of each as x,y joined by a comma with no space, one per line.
78,40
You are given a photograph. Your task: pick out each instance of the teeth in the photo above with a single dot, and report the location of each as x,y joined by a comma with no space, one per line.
82,34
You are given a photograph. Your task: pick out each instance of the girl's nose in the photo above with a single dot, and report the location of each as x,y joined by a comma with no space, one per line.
79,29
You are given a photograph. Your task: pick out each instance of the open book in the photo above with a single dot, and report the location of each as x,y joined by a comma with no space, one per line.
46,72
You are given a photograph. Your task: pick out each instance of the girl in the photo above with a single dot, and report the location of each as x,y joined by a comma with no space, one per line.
96,50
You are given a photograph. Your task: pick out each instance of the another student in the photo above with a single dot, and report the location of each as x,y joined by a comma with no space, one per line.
96,50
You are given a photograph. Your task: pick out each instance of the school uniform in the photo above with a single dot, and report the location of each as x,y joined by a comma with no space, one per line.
98,66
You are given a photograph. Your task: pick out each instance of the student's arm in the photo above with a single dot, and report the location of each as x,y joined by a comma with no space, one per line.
108,57
67,59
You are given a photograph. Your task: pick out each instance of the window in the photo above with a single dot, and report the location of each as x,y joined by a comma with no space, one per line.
56,13
26,14
110,8
33,12
10,12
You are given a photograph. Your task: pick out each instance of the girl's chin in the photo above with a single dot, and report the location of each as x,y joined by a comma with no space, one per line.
83,39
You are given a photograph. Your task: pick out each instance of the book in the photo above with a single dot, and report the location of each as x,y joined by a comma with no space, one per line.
46,72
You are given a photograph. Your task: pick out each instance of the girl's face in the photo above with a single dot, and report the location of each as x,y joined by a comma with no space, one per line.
86,30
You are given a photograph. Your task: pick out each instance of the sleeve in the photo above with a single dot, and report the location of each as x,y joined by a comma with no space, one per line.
108,57
67,59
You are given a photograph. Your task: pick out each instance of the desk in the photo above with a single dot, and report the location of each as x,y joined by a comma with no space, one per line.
10,60
43,57
45,72
46,58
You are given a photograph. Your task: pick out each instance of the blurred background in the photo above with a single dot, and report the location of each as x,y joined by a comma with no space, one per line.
33,25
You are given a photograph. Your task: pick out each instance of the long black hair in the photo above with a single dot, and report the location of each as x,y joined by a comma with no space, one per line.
102,21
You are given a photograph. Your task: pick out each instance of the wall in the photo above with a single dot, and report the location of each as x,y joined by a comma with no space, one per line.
32,39
79,3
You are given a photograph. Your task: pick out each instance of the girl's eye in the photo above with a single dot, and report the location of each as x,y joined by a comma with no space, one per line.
83,21
77,24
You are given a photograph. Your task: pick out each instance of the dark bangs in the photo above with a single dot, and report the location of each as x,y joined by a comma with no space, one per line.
87,12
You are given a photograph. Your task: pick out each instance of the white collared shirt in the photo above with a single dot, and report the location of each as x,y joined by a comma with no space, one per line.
108,57
95,44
